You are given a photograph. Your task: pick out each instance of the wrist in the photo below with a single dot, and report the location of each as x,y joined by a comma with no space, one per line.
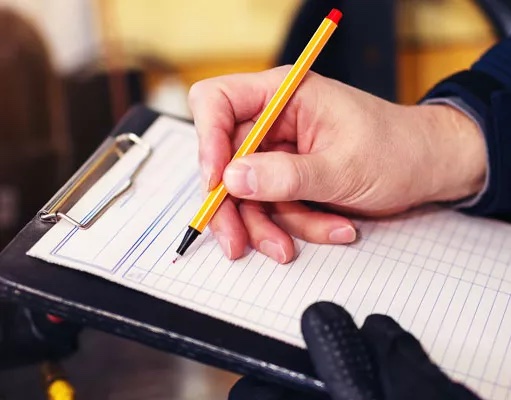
456,161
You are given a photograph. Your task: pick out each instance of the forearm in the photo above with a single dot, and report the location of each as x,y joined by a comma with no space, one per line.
483,93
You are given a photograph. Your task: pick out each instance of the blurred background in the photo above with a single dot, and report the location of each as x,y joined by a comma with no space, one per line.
69,69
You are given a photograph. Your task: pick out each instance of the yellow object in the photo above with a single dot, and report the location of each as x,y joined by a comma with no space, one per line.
268,117
195,34
60,390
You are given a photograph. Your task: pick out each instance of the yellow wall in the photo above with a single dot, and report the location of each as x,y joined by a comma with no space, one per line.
419,68
204,38
441,22
194,30
436,39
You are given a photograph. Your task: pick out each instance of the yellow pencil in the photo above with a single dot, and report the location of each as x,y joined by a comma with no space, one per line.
264,122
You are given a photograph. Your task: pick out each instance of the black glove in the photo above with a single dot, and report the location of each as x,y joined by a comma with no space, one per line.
379,361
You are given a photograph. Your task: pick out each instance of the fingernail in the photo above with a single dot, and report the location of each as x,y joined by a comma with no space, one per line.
225,244
273,250
345,234
241,179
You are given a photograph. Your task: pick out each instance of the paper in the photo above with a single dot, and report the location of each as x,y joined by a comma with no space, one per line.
443,276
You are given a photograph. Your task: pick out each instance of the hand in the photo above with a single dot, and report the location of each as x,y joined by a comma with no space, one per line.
333,145
378,362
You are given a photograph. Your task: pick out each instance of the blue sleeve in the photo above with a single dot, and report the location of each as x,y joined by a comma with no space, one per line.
484,93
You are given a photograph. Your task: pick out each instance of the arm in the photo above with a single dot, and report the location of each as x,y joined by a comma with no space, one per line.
484,94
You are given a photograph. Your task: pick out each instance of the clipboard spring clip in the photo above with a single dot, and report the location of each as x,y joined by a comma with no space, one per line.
111,151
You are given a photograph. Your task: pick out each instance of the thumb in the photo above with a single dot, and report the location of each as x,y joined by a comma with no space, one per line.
339,353
277,176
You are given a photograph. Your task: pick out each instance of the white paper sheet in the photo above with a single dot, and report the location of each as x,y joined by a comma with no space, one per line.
443,276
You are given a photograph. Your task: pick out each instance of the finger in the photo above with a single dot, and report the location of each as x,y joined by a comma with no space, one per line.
217,104
405,366
278,176
227,227
240,133
269,143
264,235
313,226
339,353
279,146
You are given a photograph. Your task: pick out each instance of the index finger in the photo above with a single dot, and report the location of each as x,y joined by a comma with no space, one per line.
218,104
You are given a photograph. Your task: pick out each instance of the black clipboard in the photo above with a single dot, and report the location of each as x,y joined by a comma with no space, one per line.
104,305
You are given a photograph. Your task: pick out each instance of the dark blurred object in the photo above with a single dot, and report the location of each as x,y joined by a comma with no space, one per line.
29,337
34,151
362,52
34,161
499,13
28,178
89,105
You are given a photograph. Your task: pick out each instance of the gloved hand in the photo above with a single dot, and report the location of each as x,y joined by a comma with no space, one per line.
379,361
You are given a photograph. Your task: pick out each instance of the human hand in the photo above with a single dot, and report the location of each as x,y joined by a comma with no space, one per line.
379,361
334,145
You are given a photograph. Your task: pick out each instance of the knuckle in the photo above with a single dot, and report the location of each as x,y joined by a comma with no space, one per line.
198,91
194,92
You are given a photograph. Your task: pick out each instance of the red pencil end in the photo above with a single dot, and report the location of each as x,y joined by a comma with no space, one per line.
335,15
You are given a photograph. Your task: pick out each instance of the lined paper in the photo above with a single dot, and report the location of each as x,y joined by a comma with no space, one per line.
443,276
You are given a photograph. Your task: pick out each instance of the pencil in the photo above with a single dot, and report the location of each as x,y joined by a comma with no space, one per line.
263,123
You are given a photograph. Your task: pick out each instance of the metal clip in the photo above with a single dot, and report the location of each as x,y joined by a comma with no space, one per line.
53,210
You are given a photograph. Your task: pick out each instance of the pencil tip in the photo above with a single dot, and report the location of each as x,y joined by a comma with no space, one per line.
174,260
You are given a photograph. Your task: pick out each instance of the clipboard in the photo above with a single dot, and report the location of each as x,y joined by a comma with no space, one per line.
98,303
